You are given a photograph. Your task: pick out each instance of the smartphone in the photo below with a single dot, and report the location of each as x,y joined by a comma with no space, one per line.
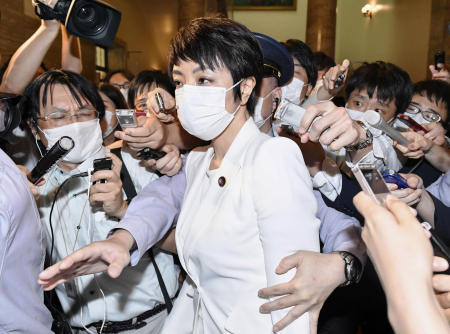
371,182
391,176
160,102
439,58
126,118
289,113
412,124
339,80
150,153
102,164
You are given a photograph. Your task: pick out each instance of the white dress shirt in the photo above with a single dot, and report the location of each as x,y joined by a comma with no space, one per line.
137,289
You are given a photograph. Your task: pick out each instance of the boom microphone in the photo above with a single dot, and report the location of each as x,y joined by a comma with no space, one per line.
63,146
374,119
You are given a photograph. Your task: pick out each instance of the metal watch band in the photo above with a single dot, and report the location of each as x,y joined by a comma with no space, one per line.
364,143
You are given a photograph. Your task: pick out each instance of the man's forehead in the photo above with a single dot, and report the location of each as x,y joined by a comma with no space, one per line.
364,94
59,96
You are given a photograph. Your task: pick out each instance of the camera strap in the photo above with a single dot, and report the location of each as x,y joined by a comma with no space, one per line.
130,191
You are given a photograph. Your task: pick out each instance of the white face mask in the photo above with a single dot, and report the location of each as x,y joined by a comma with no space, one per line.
257,115
201,110
108,118
292,91
124,92
86,135
355,114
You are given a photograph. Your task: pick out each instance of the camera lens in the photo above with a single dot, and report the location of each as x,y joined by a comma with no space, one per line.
89,19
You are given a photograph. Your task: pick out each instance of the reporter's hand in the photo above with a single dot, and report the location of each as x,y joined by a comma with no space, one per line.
316,277
112,255
411,195
395,231
418,147
109,194
441,285
33,187
149,133
170,164
440,73
436,133
329,79
342,130
169,104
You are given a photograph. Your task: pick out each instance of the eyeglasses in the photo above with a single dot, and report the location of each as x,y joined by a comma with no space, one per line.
430,115
124,85
141,104
64,117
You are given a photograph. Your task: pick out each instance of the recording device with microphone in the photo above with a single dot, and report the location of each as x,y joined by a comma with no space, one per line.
374,119
63,146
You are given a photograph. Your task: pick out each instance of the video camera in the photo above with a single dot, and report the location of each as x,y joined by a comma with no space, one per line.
92,20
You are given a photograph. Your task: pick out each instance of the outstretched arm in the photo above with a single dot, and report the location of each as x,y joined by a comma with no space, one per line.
28,57
70,52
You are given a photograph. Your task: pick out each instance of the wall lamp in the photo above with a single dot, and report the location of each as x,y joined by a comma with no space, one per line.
367,11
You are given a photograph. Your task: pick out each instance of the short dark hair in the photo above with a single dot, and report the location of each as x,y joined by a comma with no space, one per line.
436,91
220,42
114,94
78,86
389,80
144,80
302,52
125,73
323,61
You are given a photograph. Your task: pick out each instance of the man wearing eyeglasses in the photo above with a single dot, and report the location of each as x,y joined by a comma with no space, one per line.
62,103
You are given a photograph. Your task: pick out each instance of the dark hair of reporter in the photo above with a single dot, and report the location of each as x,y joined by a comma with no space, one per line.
78,86
323,61
437,91
125,73
220,43
302,52
389,81
144,80
114,95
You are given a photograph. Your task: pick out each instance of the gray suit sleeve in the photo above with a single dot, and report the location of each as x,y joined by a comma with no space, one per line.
153,212
339,232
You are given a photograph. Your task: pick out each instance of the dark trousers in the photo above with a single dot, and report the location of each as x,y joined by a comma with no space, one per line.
360,306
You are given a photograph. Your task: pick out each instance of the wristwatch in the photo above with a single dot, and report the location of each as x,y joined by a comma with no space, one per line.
353,268
366,142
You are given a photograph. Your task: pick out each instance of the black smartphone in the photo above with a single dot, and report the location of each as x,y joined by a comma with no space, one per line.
439,58
150,153
102,164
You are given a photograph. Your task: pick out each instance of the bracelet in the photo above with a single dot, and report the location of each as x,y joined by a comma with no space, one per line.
365,143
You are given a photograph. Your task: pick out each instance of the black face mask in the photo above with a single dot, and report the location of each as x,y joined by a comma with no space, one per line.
9,116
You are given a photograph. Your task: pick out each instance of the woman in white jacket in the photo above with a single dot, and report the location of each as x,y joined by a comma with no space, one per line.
245,191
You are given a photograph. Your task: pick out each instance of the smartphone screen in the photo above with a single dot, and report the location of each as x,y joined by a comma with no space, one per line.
371,182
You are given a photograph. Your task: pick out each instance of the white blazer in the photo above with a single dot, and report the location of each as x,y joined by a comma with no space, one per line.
231,238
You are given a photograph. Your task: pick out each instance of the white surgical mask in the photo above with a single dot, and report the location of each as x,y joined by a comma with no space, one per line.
201,110
257,115
108,118
86,135
292,91
355,115
124,92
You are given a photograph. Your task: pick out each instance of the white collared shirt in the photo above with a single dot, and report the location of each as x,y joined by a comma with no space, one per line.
137,289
